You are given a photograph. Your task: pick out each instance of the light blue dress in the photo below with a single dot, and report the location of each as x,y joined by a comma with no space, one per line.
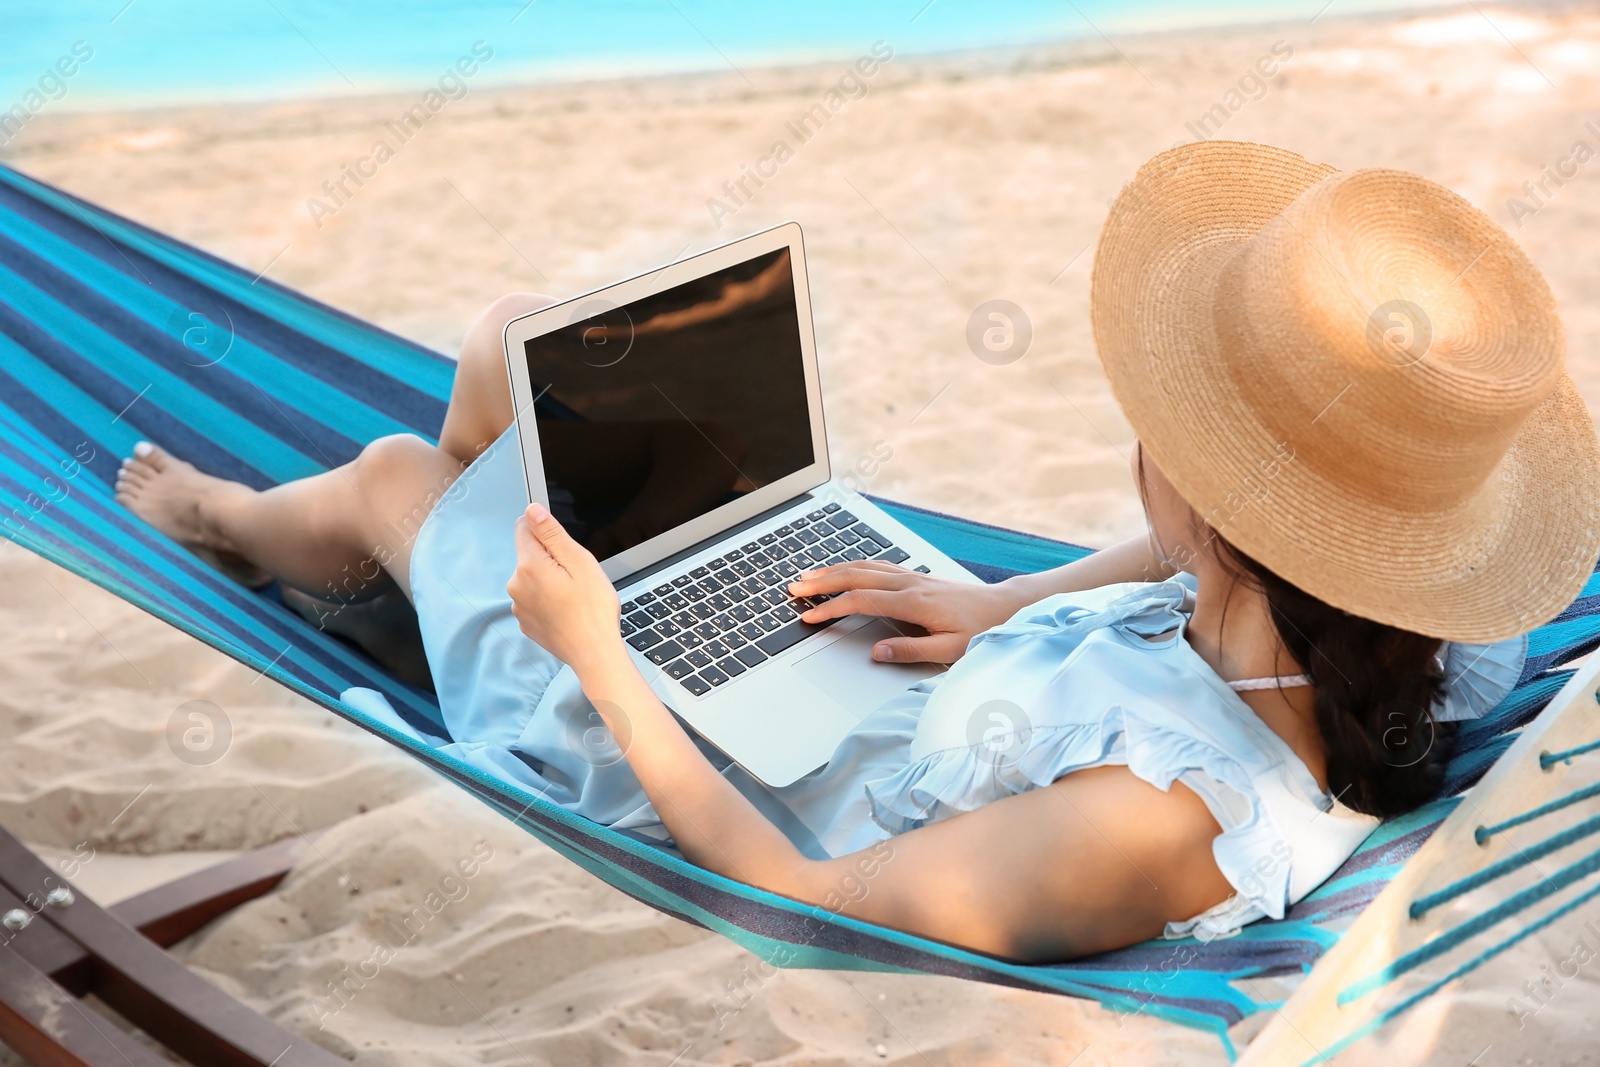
1075,681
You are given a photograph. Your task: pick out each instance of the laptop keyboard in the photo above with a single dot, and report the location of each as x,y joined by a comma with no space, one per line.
729,615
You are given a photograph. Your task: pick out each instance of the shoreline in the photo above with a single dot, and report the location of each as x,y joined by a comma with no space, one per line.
1087,49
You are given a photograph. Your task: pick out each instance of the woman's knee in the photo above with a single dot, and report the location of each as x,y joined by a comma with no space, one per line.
486,335
383,460
400,478
480,402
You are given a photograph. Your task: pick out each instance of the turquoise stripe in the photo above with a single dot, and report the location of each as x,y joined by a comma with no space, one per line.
1559,635
985,544
361,342
62,395
275,377
118,361
175,565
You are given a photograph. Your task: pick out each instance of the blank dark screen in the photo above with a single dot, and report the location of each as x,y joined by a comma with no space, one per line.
655,412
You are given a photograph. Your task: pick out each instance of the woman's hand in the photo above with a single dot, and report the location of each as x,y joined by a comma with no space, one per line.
562,599
951,612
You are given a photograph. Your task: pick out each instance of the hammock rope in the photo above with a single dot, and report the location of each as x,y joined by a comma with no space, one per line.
1490,917
1483,833
1550,759
1523,857
1406,1004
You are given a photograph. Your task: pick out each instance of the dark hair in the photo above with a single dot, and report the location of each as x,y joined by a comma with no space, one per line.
1375,691
1375,687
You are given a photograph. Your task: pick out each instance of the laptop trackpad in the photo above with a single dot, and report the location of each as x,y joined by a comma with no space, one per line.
846,671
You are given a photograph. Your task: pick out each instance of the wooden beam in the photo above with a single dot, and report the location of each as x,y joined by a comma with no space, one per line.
1313,1021
148,987
171,912
165,914
49,1027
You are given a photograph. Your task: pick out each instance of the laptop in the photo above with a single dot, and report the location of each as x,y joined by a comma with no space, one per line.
673,424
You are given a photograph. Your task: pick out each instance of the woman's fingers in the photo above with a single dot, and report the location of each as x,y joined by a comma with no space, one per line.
886,602
935,648
864,574
530,548
551,536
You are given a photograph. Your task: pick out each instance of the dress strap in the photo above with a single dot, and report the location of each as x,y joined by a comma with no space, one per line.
1280,681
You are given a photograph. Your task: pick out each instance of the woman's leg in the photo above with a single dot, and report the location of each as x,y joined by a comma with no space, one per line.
344,535
480,401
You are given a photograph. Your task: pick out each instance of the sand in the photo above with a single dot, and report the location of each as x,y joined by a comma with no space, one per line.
954,181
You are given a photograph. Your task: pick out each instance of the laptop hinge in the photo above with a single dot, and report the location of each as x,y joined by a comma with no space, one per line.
705,543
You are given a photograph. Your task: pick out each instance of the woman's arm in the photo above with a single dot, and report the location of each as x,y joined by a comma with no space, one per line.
955,612
1097,860
1133,560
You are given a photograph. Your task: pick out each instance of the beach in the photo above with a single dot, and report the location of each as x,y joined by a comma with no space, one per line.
926,188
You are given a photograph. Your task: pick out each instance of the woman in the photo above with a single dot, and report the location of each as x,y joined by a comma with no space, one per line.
1358,449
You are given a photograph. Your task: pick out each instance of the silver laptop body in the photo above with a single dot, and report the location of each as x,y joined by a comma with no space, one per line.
673,423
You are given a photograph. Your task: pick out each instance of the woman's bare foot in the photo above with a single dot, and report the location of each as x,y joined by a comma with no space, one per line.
172,496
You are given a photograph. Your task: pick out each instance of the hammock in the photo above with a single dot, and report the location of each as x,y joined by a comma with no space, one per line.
111,332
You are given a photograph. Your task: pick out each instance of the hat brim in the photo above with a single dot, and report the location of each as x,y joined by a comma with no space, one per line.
1506,559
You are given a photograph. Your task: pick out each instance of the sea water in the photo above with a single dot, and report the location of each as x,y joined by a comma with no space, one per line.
143,52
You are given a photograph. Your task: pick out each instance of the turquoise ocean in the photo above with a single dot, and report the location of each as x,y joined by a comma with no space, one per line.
198,51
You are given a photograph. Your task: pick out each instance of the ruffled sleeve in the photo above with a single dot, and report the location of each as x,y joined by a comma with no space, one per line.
999,723
1010,758
1478,677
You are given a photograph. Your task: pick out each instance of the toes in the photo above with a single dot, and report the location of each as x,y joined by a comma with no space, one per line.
133,473
149,454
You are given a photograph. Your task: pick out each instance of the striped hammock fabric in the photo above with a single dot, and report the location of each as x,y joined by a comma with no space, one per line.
111,332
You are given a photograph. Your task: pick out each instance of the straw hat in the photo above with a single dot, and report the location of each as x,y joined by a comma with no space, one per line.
1357,378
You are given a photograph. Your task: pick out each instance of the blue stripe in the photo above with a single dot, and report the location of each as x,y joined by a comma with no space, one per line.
77,338
379,350
226,608
59,430
154,323
1558,635
161,292
93,322
90,381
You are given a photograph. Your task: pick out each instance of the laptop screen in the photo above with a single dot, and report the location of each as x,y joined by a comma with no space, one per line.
653,413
